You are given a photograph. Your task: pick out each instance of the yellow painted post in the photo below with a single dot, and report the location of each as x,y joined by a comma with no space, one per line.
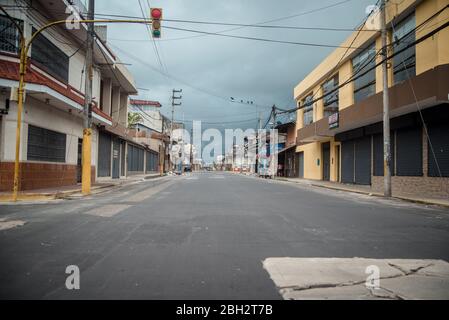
20,93
86,158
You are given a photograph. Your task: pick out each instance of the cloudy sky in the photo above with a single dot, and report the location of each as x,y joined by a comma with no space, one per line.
210,69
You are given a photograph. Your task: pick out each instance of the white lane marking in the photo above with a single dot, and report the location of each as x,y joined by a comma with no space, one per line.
4,224
108,210
216,177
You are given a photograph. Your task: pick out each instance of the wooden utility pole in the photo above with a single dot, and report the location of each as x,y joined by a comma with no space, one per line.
386,105
87,132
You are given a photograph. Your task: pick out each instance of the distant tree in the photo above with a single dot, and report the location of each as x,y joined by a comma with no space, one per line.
133,119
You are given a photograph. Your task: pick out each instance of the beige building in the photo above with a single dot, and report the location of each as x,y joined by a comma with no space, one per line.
339,123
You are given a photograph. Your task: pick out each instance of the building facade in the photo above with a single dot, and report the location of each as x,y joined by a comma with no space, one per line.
52,120
339,123
149,132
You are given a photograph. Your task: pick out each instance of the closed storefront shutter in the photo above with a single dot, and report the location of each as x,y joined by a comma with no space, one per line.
152,163
347,161
363,160
378,156
104,155
135,158
409,152
439,138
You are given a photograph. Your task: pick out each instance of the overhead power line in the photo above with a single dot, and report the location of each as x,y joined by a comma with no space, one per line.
414,43
205,91
309,44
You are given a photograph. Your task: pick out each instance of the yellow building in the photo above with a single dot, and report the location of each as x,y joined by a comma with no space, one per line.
339,123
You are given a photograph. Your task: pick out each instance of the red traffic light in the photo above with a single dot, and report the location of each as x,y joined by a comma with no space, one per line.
156,13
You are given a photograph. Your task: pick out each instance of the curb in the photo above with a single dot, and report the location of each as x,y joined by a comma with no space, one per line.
75,194
372,194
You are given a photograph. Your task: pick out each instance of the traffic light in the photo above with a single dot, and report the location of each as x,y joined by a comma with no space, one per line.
156,16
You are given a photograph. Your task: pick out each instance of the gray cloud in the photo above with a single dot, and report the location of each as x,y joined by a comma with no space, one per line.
263,72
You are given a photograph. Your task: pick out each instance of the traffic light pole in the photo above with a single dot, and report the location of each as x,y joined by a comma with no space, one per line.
25,45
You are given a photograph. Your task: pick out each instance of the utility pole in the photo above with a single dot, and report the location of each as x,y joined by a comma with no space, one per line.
259,123
173,104
191,150
87,132
386,105
272,154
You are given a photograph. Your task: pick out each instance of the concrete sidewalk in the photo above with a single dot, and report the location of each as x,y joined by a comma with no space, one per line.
100,186
362,189
359,278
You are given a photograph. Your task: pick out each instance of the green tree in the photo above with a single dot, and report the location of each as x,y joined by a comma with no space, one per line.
133,119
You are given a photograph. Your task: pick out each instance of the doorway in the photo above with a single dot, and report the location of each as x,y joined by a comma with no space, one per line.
326,152
115,159
79,161
337,163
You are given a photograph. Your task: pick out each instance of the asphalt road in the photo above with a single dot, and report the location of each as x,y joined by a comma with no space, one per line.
202,236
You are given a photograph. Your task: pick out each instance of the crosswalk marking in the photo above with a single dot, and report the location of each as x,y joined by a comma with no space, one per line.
108,211
147,193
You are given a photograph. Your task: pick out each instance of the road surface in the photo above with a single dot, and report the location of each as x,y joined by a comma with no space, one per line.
201,236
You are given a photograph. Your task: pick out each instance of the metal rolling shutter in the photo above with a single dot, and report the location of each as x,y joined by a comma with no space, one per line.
363,160
135,158
409,152
152,161
104,155
378,156
439,137
347,161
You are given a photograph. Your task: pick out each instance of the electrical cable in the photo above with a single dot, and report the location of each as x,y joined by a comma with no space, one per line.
376,65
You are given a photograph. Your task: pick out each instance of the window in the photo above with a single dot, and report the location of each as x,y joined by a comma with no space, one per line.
308,109
331,100
9,35
52,59
404,64
45,145
364,86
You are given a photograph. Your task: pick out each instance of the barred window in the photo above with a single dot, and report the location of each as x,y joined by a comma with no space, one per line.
331,100
45,145
404,63
364,86
308,109
9,35
52,59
